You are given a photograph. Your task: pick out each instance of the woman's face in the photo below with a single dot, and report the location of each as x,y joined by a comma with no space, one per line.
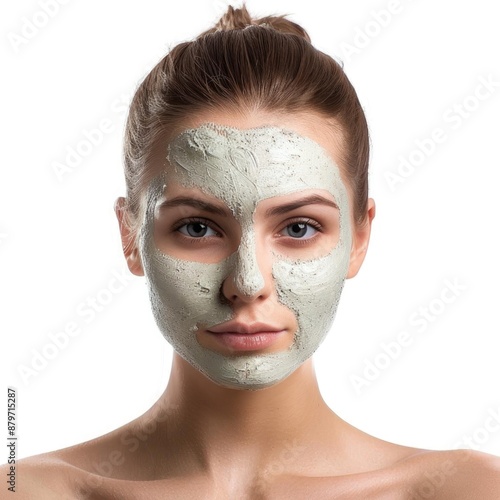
249,222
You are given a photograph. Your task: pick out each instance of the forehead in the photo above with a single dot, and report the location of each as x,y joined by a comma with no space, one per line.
244,166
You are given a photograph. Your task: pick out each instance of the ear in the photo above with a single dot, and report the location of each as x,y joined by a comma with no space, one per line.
130,250
361,238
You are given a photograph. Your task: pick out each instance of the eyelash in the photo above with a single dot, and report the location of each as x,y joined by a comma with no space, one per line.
194,220
310,222
191,220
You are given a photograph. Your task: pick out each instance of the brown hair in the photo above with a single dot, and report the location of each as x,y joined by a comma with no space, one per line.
240,64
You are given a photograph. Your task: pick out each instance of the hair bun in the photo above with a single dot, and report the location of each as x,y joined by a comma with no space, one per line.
240,18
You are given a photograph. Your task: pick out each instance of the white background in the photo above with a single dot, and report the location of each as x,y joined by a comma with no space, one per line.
59,239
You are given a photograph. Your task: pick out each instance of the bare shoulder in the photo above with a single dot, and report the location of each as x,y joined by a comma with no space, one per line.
478,476
59,474
41,477
68,473
457,474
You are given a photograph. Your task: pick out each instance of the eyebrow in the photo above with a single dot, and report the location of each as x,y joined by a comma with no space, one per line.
196,203
314,199
206,206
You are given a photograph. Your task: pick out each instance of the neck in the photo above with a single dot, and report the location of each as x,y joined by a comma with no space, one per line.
217,423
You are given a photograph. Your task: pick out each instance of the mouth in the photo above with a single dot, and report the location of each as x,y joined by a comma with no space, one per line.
246,337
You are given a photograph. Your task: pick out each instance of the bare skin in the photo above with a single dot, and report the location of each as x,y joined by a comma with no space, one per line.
204,441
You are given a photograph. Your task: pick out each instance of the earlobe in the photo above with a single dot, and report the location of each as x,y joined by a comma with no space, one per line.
130,250
361,238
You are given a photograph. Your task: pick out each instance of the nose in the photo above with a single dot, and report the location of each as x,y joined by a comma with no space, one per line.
246,281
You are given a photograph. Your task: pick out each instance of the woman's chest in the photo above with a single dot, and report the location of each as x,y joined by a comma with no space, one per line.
375,487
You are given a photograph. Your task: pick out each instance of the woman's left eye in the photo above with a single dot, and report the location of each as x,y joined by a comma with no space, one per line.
298,229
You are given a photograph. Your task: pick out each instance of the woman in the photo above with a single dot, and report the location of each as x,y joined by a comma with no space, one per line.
246,160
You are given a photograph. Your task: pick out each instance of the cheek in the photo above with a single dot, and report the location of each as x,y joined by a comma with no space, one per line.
184,291
312,289
307,282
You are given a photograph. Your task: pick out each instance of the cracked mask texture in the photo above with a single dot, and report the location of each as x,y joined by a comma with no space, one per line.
241,167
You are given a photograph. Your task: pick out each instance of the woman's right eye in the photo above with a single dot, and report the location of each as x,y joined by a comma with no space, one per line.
196,228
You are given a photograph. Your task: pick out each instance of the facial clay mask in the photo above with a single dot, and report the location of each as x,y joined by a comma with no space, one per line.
241,167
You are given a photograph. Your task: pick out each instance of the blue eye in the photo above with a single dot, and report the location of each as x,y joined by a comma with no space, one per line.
299,228
196,228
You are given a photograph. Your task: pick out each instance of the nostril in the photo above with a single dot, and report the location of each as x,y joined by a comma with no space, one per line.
222,298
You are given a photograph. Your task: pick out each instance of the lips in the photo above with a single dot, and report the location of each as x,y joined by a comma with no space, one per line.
243,328
238,336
